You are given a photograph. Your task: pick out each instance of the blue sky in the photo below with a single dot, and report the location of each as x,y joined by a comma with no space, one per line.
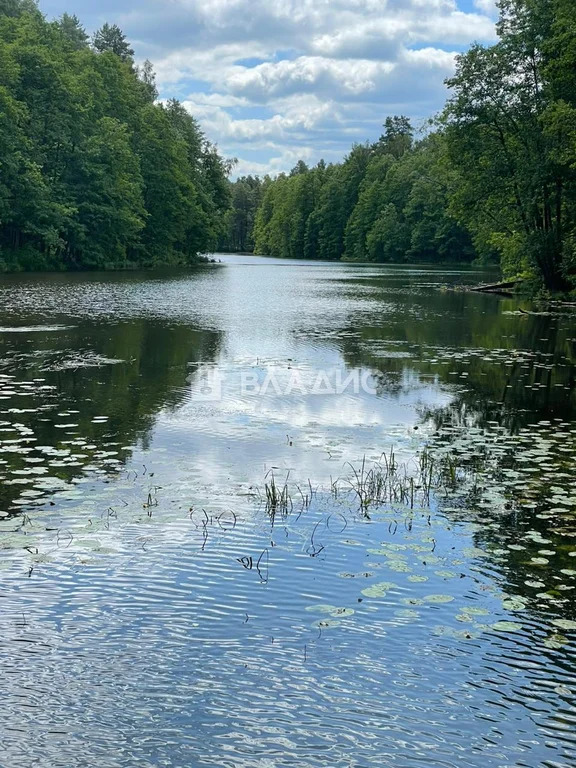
273,81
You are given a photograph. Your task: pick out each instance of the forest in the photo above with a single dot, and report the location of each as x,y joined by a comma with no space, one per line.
490,179
95,173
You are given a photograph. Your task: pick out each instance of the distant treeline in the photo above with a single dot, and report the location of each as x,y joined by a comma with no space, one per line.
246,196
94,173
387,202
494,179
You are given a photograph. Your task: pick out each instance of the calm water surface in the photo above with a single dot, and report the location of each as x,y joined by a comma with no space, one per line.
156,612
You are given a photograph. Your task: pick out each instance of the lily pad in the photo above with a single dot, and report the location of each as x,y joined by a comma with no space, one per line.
321,608
556,641
565,624
514,604
326,623
379,590
438,599
506,626
406,613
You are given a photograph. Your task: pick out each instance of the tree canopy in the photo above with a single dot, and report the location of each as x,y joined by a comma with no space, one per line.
386,202
494,179
510,129
94,173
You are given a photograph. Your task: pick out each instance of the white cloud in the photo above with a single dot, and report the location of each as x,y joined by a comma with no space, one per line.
487,6
284,78
308,74
383,38
298,120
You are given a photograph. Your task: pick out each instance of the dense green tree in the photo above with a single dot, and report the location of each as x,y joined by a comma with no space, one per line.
16,8
508,128
496,181
209,173
147,77
110,39
169,194
295,214
397,137
299,168
365,213
94,173
246,194
108,188
335,203
72,31
214,171
434,233
387,202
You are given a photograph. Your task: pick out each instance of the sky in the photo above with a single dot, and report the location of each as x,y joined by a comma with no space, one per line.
275,81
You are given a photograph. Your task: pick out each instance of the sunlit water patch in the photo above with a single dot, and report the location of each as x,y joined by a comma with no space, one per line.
317,638
239,578
32,328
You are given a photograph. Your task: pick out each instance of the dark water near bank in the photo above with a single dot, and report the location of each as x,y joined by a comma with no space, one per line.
155,611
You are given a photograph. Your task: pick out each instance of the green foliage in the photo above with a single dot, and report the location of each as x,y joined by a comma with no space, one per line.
110,39
397,137
147,77
107,183
16,8
510,128
72,31
495,182
246,195
93,173
387,202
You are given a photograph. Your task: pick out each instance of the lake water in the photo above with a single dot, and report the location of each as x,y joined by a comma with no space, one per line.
265,514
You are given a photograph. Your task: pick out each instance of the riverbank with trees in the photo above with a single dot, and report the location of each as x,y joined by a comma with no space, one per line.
492,180
95,172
